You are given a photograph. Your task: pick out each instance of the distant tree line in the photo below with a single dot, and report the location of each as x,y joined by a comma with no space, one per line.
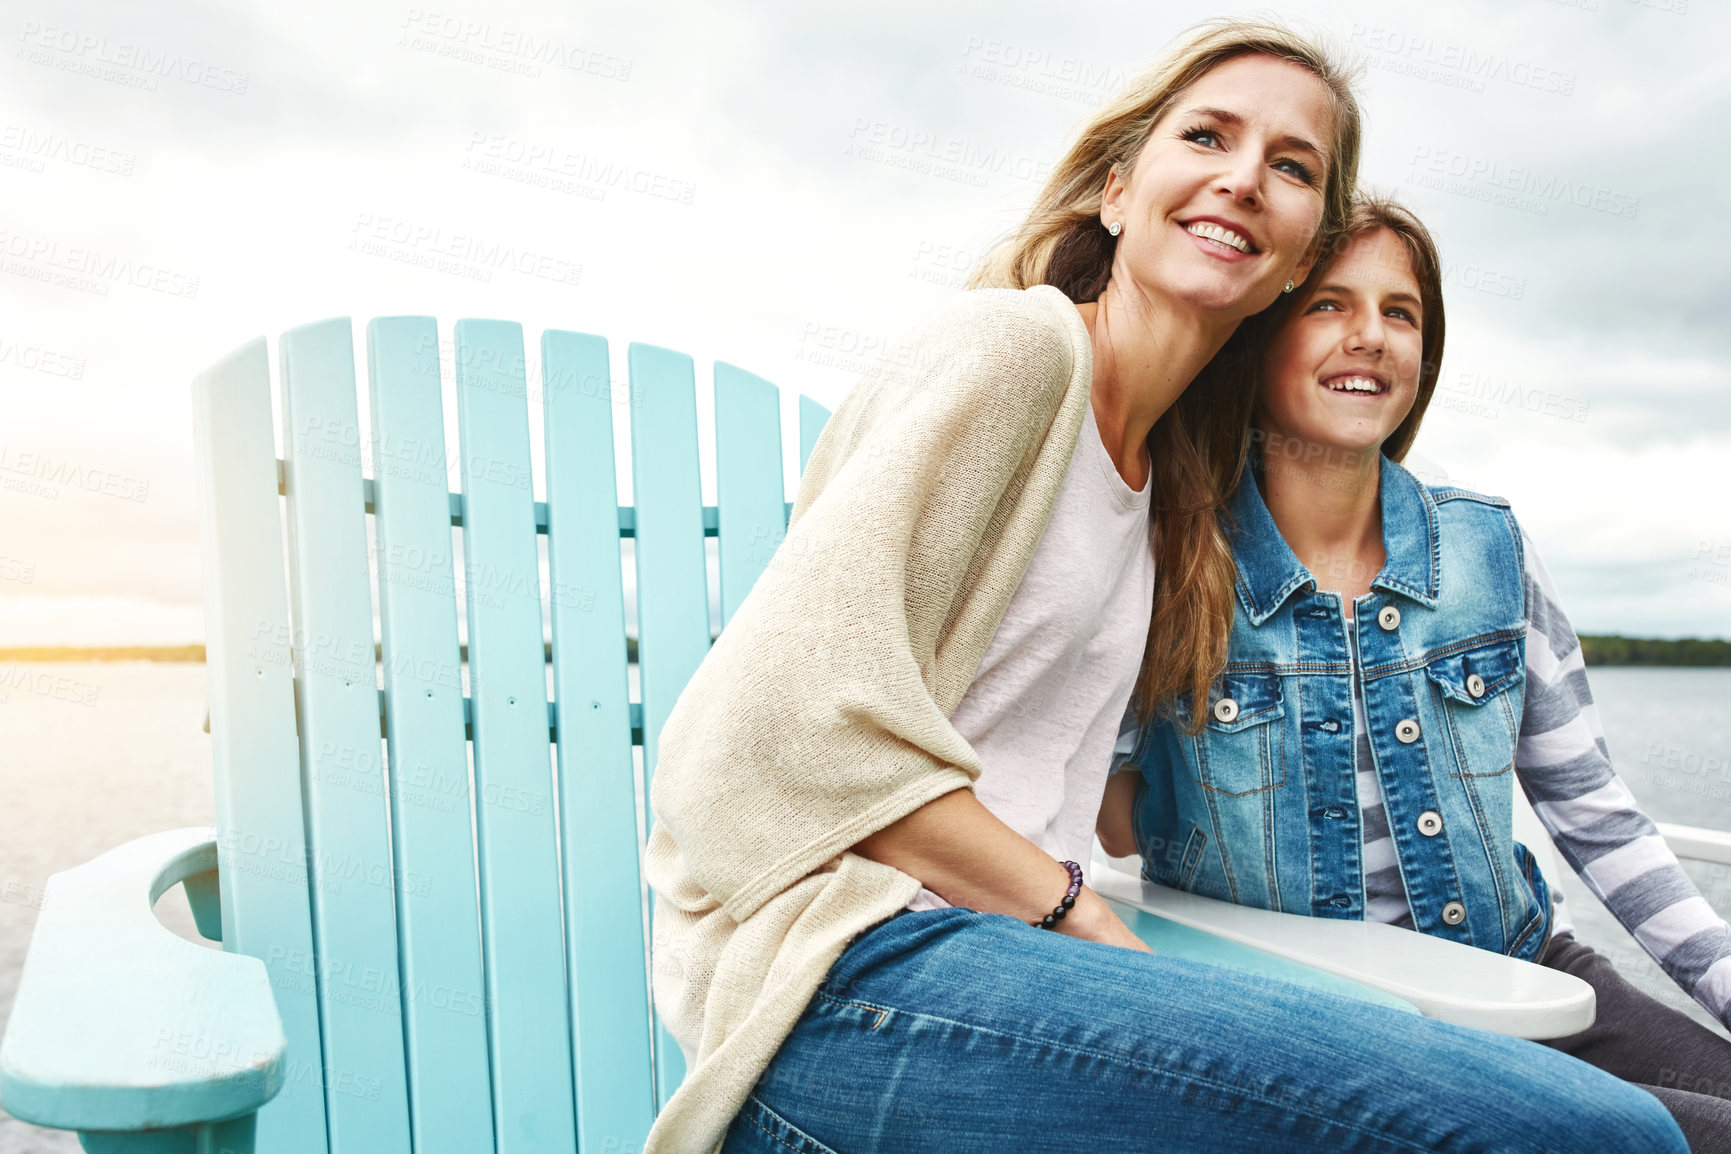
1598,649
1616,650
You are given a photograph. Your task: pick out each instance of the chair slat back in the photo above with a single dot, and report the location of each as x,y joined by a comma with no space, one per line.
522,935
750,512
604,939
261,843
354,922
476,994
672,586
438,931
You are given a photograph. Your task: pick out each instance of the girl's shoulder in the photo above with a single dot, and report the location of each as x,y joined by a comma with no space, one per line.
1443,492
1456,503
1436,482
1468,527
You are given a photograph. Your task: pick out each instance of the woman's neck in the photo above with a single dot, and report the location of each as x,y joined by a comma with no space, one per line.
1329,511
1145,355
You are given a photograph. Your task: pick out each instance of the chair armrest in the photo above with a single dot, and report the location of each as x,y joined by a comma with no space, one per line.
1688,841
119,1024
1445,980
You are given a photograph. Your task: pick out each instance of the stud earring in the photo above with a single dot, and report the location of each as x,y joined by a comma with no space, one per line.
1288,287
1115,228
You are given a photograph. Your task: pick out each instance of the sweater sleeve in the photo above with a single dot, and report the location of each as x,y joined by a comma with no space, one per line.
1565,768
822,713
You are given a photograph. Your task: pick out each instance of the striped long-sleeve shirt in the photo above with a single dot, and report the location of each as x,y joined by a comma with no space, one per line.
1564,767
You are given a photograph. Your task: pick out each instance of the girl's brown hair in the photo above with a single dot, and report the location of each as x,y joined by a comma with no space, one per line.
1374,212
1198,445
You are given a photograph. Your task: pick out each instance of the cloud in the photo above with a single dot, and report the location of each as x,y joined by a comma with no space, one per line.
782,186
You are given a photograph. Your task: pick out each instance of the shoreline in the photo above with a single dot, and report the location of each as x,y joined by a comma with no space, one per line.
1598,650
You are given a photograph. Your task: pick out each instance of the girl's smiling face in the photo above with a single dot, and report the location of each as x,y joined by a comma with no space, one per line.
1343,370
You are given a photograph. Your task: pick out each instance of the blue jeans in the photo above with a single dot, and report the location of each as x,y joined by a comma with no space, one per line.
954,1031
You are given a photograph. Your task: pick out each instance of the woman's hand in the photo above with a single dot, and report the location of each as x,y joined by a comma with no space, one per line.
1094,920
965,854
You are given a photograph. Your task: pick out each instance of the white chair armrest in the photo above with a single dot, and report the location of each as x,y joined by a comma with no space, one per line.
1445,980
120,1025
1708,845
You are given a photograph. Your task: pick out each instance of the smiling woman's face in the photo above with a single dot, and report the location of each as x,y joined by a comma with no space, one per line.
1342,372
1224,201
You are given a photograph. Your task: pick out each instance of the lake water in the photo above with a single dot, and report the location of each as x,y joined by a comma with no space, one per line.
97,754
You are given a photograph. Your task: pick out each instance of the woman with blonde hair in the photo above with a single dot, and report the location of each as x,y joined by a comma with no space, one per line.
871,932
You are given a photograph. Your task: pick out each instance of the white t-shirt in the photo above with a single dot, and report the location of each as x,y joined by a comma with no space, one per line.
1044,708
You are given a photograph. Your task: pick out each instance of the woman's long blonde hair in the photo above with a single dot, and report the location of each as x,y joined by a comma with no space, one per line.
1198,446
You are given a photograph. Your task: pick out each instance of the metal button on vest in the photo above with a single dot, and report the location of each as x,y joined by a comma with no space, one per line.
1389,618
1475,685
1430,823
1225,709
1406,731
1454,913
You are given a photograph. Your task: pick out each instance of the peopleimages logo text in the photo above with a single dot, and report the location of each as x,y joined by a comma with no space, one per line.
47,253
877,139
1524,179
96,49
1460,58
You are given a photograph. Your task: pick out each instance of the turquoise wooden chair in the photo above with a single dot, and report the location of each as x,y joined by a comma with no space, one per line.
411,961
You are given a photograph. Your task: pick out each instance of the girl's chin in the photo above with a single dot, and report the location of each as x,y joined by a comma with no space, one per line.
1299,447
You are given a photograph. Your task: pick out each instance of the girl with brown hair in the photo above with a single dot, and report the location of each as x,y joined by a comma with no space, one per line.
1398,661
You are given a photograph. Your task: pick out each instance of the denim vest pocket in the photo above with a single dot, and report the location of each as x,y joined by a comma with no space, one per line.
1244,755
1530,940
1483,725
1173,863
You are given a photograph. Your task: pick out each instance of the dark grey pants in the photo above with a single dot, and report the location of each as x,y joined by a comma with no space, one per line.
1642,1040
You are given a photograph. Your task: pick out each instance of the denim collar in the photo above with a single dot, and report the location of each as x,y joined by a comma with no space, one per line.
1269,572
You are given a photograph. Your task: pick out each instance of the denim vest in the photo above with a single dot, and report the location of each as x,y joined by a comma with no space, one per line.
1260,808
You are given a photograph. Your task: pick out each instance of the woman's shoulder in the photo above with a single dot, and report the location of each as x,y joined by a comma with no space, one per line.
1033,327
997,350
991,368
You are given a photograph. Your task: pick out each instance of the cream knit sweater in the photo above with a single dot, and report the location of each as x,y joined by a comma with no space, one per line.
822,713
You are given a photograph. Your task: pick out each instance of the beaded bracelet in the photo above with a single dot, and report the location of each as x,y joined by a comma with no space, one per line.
1051,920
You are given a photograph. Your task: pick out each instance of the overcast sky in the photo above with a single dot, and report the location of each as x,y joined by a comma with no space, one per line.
782,187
